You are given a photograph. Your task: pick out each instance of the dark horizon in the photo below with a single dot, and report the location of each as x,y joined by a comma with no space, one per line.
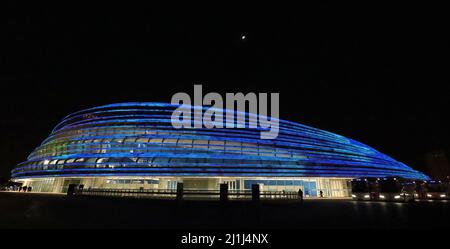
382,83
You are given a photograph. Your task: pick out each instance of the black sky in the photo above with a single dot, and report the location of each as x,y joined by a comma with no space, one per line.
377,74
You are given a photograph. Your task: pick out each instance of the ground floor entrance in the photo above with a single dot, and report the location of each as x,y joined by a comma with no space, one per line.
311,187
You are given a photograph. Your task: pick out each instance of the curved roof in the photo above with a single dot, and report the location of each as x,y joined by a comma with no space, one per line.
137,139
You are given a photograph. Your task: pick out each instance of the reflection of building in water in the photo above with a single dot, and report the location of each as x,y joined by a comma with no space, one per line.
134,146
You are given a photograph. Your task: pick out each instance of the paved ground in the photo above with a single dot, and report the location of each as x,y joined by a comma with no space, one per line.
21,210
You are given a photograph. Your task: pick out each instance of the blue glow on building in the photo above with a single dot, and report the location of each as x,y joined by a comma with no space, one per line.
137,139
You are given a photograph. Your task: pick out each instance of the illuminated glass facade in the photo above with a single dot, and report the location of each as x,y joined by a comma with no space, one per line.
133,145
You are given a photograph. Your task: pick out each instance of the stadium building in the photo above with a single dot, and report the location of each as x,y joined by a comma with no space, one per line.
135,146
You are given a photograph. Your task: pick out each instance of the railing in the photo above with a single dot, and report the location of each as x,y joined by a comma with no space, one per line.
187,193
136,193
279,195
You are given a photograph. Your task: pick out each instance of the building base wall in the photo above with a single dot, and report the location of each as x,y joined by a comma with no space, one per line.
311,187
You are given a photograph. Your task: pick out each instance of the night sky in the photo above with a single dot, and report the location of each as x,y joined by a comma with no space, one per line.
377,75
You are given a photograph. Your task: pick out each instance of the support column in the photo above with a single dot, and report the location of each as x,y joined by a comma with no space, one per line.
179,191
223,192
255,192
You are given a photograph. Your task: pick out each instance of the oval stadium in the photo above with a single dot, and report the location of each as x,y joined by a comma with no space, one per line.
135,146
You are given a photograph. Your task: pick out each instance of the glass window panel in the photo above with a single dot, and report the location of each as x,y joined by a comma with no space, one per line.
142,140
156,140
170,141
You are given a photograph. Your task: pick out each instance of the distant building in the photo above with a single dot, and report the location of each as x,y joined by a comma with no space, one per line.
437,165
